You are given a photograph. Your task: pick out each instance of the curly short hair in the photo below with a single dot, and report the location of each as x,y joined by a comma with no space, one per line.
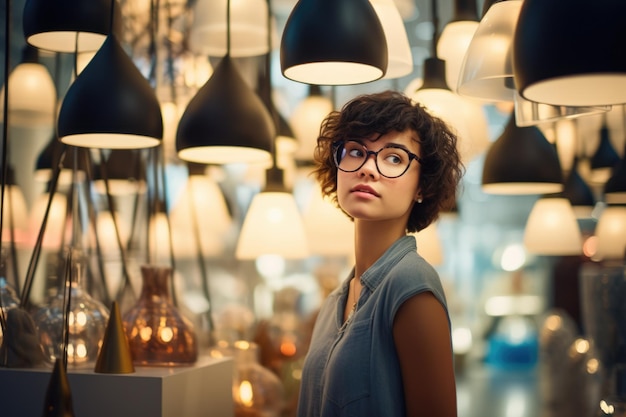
388,111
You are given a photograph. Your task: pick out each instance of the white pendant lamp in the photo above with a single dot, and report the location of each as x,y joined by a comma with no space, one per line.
611,233
306,120
400,58
456,37
273,224
487,71
559,61
32,94
333,42
552,228
248,28
329,231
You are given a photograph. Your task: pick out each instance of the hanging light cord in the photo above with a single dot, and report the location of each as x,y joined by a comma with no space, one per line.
435,18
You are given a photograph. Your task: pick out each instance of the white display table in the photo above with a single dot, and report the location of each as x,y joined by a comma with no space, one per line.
201,390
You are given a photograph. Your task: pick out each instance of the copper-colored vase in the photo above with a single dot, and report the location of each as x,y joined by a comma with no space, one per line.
158,333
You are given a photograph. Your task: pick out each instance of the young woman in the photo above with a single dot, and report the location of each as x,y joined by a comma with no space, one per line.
381,345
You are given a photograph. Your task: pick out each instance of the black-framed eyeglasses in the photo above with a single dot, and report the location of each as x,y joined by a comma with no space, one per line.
392,161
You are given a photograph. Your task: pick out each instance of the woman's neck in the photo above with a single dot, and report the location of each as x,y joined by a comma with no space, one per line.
371,240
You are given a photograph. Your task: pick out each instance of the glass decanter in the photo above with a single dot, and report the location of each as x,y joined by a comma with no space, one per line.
87,320
158,333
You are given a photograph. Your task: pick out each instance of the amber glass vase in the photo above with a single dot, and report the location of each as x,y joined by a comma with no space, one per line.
158,333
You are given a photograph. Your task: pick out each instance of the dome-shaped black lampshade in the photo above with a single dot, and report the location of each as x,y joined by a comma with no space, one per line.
225,122
69,25
333,42
559,60
521,161
110,105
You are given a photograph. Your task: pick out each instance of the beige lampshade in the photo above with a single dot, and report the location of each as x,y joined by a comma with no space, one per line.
566,137
201,206
487,71
330,232
56,224
400,58
429,244
305,122
452,46
32,96
611,233
107,235
272,226
552,228
248,28
15,205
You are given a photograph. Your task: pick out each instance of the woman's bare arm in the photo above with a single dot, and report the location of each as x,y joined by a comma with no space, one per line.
422,337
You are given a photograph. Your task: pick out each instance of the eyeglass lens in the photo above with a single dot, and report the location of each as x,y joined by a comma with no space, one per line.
391,161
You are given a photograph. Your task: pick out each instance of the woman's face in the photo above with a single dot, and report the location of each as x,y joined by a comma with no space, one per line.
365,194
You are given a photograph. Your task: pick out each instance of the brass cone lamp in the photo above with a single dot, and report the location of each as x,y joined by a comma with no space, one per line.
58,401
547,60
69,25
110,105
115,356
521,161
333,42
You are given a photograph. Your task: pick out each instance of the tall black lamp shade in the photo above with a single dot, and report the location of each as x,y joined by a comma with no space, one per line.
571,52
225,122
333,42
521,161
110,104
69,25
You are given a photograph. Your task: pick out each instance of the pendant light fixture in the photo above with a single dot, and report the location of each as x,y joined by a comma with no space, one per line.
578,192
123,170
225,122
32,98
110,105
456,37
400,58
605,158
248,28
487,72
70,25
521,161
306,120
611,233
333,42
615,186
273,224
547,45
552,228
434,93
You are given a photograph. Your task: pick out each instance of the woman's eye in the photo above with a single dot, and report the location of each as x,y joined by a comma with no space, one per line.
355,153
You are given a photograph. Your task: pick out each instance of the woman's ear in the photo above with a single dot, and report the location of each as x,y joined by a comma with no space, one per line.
418,196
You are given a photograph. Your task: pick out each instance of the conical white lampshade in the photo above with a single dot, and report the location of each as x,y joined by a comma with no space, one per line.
305,122
400,59
452,46
210,217
32,96
611,233
330,232
273,226
552,228
487,69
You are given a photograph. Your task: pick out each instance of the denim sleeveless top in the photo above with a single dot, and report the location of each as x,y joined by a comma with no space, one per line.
352,369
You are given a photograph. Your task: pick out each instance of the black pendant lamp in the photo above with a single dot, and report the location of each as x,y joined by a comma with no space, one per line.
521,161
333,42
110,105
570,52
225,122
69,25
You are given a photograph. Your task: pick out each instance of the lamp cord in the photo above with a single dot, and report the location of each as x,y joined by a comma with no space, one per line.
435,19
5,112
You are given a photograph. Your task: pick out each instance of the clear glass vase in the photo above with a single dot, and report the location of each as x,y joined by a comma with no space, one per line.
257,391
158,333
87,320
